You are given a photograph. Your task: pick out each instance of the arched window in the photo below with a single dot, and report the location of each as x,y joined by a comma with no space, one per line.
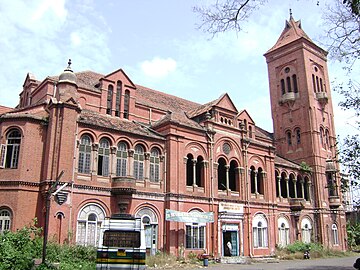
5,220
118,98
109,99
88,225
126,104
283,185
335,234
327,139
288,137
252,179
260,181
288,84
322,137
222,174
306,229
9,156
250,131
200,171
284,236
292,185
282,82
103,157
84,163
189,170
155,165
121,159
306,188
150,221
195,234
260,231
300,192
314,83
139,162
295,83
277,183
298,136
233,176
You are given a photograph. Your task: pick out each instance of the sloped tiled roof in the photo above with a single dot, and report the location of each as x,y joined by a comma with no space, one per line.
174,106
203,108
286,162
4,109
291,32
263,133
115,123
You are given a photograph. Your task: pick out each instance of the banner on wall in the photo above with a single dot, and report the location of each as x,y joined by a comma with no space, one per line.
191,217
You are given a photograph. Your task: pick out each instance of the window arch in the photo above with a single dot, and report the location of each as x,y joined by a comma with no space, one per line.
327,139
84,162
103,157
118,98
121,159
139,158
283,228
126,104
189,170
260,231
335,234
89,221
306,229
222,174
155,165
5,220
294,79
109,99
10,152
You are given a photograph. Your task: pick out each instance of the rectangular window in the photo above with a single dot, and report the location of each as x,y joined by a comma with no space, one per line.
195,236
260,237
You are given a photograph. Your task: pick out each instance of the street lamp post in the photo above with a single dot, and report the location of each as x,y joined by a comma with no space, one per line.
47,213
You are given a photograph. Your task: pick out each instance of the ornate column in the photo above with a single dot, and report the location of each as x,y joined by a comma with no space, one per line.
113,161
95,149
194,172
131,162
256,187
302,188
295,191
278,179
287,187
146,165
227,167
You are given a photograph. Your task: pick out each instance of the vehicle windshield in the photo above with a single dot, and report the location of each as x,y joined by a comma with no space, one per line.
116,238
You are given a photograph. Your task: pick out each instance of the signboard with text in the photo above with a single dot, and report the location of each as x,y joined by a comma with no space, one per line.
191,217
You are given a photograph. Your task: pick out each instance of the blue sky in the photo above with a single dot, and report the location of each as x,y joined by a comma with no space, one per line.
157,43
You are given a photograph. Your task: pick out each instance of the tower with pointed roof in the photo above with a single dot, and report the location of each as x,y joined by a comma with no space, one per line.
303,118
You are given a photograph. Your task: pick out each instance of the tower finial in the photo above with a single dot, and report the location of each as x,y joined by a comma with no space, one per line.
290,13
69,64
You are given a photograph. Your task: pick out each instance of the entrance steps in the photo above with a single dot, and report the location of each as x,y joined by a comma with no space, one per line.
235,260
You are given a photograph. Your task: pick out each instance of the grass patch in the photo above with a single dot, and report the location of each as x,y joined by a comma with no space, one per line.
296,251
167,261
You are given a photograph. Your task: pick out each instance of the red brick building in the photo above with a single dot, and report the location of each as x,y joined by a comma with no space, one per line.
126,147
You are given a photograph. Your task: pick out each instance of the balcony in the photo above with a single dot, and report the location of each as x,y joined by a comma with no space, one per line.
288,97
334,202
322,97
296,204
123,184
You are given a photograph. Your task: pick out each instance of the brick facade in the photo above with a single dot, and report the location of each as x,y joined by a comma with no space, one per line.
125,147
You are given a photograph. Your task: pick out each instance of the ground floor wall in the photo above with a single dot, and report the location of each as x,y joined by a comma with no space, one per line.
238,228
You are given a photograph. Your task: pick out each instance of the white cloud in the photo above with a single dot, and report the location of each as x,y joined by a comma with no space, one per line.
158,67
75,39
56,6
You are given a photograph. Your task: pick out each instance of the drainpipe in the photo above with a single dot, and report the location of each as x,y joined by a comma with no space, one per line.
211,168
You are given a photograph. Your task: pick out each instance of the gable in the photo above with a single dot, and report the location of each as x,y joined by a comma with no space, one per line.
245,115
120,75
225,102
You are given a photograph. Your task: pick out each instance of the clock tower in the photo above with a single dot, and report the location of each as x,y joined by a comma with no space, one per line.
303,118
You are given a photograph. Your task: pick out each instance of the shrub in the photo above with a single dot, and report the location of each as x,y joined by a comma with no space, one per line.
17,249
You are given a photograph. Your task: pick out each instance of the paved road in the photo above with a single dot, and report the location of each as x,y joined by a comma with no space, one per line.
345,263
